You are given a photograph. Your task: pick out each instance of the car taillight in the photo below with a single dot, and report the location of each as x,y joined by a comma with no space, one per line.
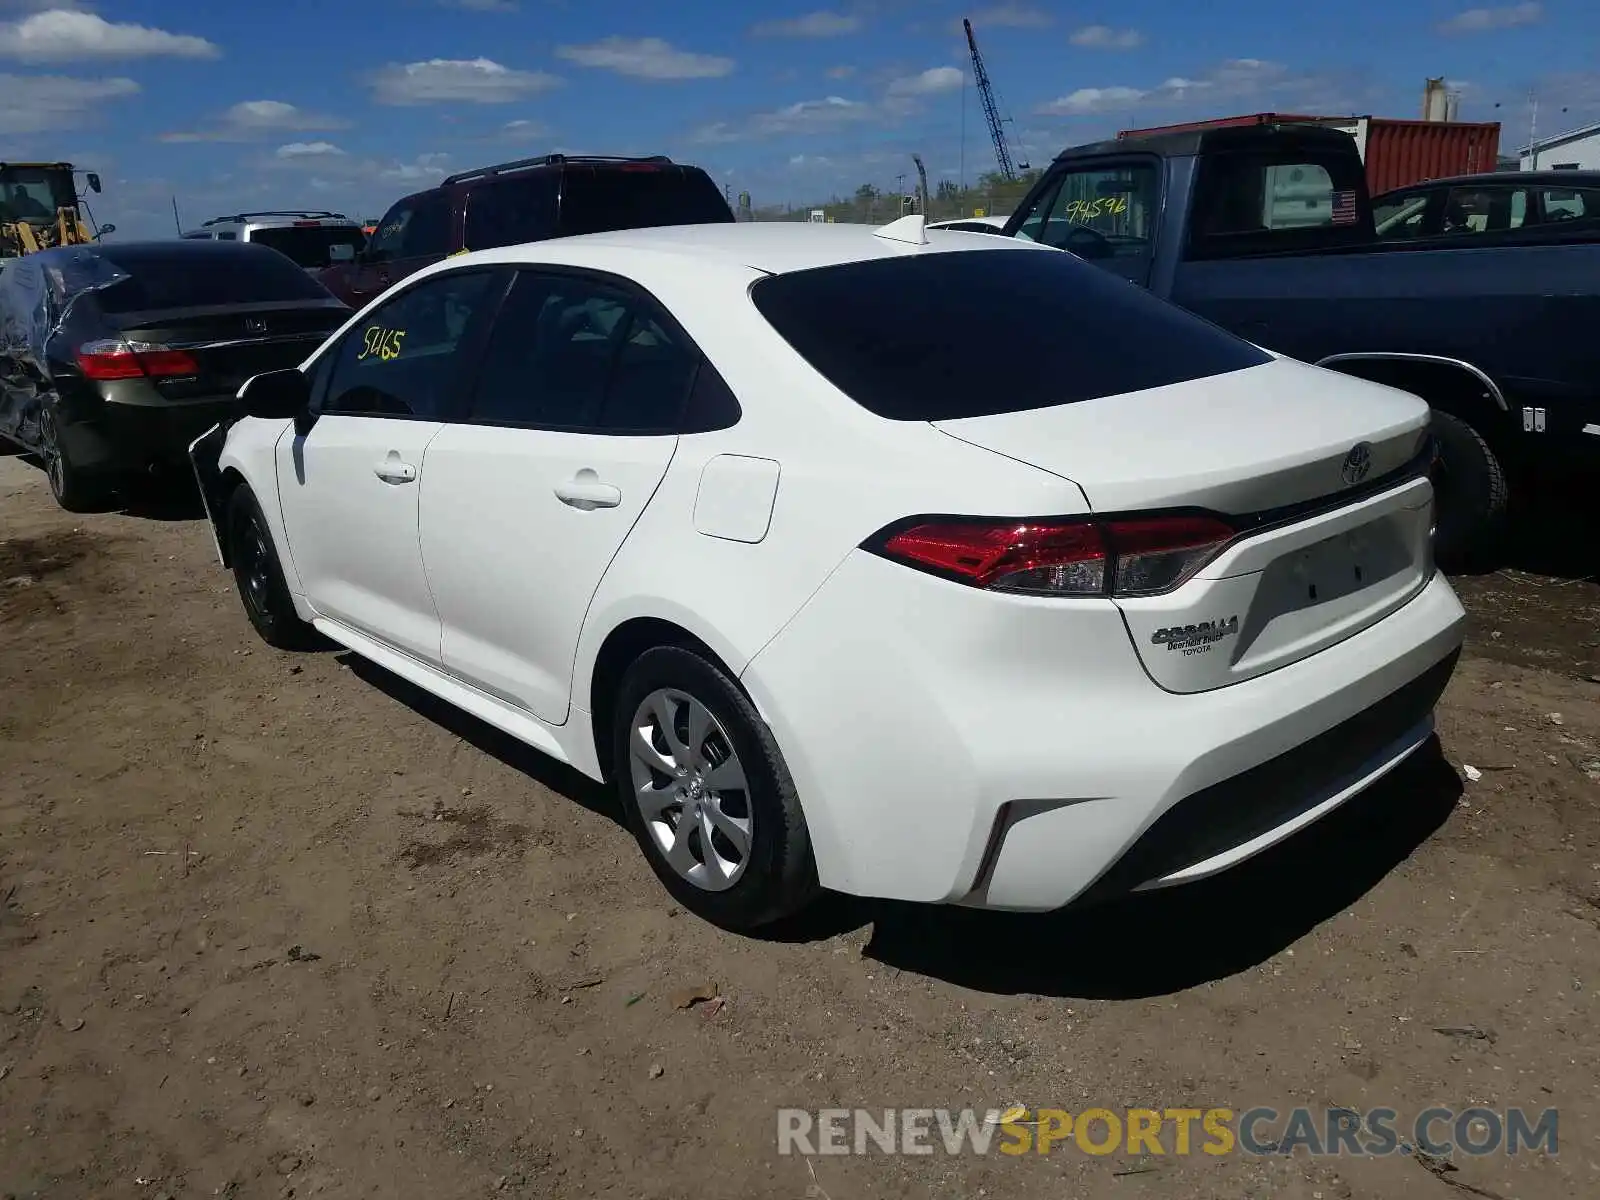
111,359
1129,557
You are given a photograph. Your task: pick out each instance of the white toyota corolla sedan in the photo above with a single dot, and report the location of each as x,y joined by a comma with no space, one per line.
933,566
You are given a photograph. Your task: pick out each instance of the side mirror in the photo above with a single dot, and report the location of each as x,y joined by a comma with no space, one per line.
94,183
105,229
275,395
341,252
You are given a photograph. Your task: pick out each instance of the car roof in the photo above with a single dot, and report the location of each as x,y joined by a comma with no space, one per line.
1572,179
775,247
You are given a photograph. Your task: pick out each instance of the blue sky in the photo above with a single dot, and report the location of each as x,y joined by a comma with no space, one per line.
351,105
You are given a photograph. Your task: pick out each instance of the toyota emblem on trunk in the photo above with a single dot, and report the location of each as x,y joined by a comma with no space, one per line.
258,325
1357,463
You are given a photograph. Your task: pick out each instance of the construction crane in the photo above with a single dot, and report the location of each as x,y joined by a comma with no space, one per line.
991,111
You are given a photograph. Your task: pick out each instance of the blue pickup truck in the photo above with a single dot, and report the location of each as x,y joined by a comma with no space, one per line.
1268,231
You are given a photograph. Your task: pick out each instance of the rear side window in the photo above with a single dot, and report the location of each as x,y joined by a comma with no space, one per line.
201,274
308,244
635,196
512,211
1249,202
937,337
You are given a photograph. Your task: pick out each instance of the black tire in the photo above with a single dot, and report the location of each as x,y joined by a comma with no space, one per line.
74,489
1472,497
259,576
779,877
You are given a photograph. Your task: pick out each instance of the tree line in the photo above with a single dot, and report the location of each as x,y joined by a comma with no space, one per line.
991,195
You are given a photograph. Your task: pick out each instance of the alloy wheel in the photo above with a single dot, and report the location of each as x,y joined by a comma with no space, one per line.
50,452
255,569
691,789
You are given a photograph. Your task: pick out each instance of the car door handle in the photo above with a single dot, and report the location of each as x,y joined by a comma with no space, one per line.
585,491
392,470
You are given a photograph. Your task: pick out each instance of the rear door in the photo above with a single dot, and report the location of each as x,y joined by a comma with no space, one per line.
570,428
349,485
508,212
1105,212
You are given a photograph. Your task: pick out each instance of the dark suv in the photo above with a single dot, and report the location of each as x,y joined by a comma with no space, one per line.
529,200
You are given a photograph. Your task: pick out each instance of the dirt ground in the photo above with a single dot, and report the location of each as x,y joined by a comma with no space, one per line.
278,926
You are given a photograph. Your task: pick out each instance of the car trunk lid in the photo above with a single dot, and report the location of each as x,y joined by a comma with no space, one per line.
209,351
1320,474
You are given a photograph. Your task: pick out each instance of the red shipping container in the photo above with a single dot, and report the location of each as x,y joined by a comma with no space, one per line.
1396,153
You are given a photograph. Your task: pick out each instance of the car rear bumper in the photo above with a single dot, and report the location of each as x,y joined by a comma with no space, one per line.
951,745
138,436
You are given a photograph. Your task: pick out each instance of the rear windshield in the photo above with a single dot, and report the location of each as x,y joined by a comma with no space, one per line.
308,245
636,197
181,274
937,337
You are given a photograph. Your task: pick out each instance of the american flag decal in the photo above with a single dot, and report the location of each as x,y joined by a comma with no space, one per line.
1344,208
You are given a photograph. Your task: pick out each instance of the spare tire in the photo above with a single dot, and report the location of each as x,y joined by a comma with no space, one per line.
1471,497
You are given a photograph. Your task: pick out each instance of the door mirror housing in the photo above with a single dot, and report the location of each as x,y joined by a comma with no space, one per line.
341,252
275,395
94,183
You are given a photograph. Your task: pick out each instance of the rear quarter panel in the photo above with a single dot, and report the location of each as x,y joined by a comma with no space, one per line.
842,475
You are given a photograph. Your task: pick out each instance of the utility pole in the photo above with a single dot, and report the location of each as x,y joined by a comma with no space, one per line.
963,157
1533,126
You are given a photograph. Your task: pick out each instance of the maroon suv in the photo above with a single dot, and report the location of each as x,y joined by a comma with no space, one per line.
525,201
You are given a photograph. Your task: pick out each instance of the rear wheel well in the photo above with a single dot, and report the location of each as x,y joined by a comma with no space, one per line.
1446,386
623,645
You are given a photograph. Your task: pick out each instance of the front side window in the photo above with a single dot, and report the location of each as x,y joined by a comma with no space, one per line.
1402,216
1106,212
405,359
389,237
427,233
571,352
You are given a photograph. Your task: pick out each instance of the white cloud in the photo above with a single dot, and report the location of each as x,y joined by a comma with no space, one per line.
36,103
65,35
810,160
839,72
308,150
252,119
1481,20
1008,16
523,130
1235,79
812,25
646,58
465,80
807,116
931,82
1085,101
1103,37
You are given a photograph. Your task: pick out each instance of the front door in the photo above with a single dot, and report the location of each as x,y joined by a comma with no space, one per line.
1105,213
349,485
413,234
569,431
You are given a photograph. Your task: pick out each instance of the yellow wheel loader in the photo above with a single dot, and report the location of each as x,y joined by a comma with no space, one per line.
40,208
